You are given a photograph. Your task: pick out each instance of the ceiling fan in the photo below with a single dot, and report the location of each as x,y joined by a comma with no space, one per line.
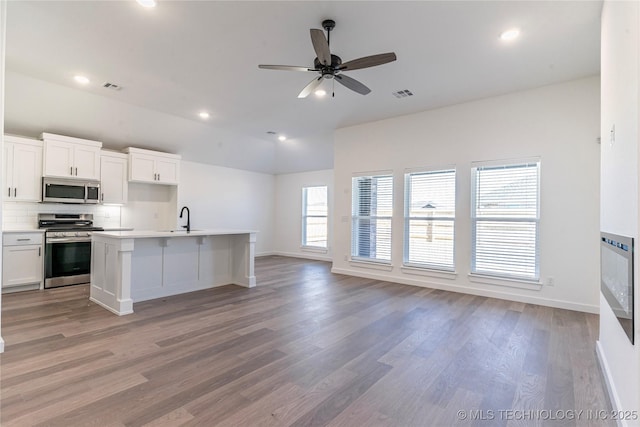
331,66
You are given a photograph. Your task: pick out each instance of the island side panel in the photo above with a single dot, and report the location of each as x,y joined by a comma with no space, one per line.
243,249
147,269
111,273
214,263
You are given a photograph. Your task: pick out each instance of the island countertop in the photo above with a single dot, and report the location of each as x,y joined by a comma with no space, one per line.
146,234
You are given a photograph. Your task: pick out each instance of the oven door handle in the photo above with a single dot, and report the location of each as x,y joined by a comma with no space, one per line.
67,239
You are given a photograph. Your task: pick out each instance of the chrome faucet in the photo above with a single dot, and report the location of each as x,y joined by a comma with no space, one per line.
188,226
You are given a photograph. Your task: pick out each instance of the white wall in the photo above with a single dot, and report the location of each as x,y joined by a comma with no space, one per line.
220,197
288,218
558,123
3,26
619,185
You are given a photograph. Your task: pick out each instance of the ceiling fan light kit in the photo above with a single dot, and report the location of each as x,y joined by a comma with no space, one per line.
331,67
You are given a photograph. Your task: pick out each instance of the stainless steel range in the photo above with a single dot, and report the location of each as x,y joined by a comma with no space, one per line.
67,253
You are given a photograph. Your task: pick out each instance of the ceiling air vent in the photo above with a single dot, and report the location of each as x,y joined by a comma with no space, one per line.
111,86
402,93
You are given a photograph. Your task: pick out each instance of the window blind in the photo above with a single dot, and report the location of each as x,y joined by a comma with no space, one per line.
505,216
429,226
372,202
314,216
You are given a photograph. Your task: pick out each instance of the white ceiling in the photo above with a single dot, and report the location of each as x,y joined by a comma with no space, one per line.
183,57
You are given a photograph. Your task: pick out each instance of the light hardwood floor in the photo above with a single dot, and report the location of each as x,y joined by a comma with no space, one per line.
304,348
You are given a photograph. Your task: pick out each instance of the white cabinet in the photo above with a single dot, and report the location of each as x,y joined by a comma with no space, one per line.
153,166
67,157
22,261
22,166
113,177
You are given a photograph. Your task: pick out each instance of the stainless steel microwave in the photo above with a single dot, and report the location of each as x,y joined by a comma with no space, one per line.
61,190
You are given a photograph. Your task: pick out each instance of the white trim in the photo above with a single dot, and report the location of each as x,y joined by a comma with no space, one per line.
608,380
370,264
439,167
533,285
429,272
297,255
316,249
372,173
568,305
1,345
506,162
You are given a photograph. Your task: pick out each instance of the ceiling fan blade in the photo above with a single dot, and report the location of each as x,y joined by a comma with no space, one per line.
352,84
321,46
368,61
310,87
285,68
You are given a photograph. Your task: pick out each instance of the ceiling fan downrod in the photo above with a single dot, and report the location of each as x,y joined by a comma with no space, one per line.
328,25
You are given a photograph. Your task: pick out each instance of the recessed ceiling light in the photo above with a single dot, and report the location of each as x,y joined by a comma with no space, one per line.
282,138
81,79
509,35
320,93
147,3
204,115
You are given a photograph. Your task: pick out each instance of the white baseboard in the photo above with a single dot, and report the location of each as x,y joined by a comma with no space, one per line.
304,255
1,345
473,291
608,380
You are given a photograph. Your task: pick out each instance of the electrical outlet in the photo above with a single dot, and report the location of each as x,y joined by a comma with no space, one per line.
550,281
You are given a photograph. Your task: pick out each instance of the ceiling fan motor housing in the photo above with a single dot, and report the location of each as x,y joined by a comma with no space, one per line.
328,71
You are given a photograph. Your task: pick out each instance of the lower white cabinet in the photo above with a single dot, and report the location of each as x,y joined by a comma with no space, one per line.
22,260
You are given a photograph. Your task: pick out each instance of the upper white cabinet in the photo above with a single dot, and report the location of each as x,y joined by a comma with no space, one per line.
68,157
113,177
22,166
153,166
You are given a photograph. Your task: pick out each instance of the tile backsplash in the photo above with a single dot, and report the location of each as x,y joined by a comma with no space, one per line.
24,215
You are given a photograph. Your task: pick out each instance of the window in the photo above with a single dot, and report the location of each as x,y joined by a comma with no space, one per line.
371,218
314,216
429,224
504,216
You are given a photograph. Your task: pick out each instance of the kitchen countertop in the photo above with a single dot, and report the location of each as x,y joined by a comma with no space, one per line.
145,234
23,230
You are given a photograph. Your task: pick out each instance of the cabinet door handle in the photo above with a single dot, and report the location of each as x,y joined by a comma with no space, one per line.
15,192
23,240
71,171
9,193
39,251
76,171
102,196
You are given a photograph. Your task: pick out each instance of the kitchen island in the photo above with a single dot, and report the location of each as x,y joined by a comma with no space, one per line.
133,266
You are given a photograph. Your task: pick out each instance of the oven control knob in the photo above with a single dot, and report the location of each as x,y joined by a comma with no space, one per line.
77,234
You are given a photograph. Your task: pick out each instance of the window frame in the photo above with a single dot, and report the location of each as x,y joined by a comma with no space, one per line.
355,218
303,235
407,220
505,164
